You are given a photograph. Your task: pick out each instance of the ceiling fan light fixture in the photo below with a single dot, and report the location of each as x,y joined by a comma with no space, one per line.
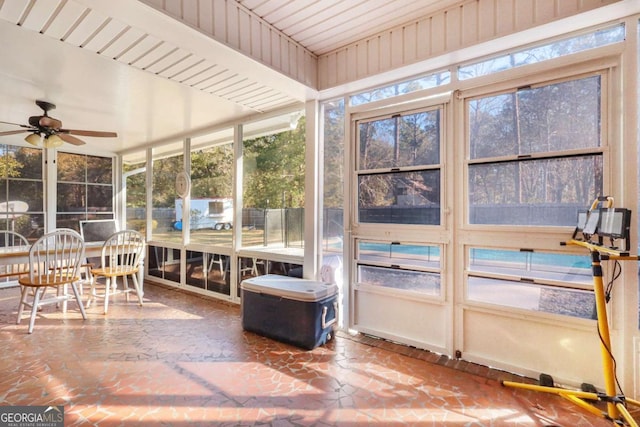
33,139
52,141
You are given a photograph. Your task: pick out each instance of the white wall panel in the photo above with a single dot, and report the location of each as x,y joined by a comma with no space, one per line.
233,24
396,46
409,43
294,69
453,28
469,21
505,13
438,34
421,323
256,39
244,31
173,8
545,10
351,64
486,20
524,16
423,41
361,61
220,20
569,354
310,69
373,53
457,27
265,35
385,59
275,51
190,13
205,16
284,55
156,3
340,65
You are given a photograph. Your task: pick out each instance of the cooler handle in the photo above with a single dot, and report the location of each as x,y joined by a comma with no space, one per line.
326,324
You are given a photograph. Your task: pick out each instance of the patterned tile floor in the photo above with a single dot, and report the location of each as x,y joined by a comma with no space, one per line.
184,360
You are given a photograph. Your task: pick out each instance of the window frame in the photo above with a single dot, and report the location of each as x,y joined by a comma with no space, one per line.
387,113
539,238
566,74
393,266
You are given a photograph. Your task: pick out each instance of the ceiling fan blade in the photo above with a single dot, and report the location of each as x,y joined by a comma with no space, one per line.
70,139
89,133
16,124
50,122
12,132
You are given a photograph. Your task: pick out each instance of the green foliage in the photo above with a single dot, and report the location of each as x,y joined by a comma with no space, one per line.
136,187
164,178
274,173
276,178
334,155
10,167
212,172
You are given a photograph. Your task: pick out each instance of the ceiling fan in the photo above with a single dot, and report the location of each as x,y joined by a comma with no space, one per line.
48,132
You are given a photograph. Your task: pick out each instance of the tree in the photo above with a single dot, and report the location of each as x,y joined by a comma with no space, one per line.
277,180
212,172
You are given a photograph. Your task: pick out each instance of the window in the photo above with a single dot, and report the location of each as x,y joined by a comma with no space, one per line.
209,271
535,158
539,281
273,182
403,267
333,186
84,189
212,188
409,86
535,153
398,168
134,177
544,52
168,160
21,190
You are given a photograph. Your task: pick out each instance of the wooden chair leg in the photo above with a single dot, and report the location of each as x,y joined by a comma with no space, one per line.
78,294
136,285
34,308
125,286
65,292
107,290
23,299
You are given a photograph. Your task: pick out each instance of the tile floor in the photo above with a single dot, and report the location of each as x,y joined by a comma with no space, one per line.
184,360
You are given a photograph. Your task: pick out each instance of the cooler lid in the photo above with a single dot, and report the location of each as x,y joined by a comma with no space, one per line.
290,287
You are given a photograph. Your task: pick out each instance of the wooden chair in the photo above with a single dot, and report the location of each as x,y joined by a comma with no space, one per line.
121,256
54,263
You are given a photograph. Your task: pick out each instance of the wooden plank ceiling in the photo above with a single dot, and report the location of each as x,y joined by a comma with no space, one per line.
107,66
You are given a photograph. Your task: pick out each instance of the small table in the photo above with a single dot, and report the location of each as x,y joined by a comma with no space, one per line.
17,255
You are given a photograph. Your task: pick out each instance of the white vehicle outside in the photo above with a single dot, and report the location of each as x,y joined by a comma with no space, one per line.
214,214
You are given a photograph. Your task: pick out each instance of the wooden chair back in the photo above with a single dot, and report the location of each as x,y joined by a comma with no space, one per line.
55,258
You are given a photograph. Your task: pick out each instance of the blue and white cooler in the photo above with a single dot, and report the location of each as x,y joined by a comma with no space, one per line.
295,311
